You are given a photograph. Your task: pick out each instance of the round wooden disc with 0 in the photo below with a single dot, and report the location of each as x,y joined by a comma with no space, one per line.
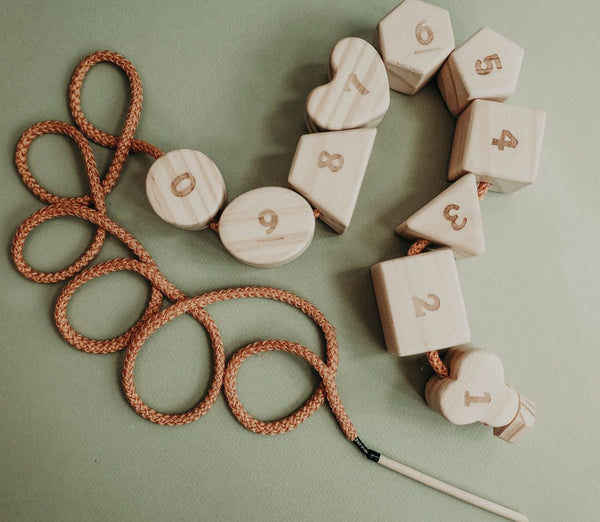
186,189
267,227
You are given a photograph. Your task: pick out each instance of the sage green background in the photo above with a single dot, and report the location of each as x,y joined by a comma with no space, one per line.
230,78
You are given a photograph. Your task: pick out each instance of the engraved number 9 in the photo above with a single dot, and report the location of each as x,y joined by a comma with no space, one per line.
268,219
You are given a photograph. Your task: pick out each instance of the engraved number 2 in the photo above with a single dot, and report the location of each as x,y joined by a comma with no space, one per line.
454,218
489,62
421,305
333,162
353,80
510,143
271,223
188,188
423,33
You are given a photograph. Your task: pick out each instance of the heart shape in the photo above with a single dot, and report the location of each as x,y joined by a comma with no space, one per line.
474,391
358,94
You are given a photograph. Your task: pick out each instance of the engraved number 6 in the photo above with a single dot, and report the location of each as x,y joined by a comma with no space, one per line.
422,28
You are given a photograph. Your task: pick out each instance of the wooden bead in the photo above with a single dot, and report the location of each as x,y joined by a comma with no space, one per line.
267,227
358,94
486,66
520,425
499,143
185,188
475,390
420,303
328,170
451,219
414,41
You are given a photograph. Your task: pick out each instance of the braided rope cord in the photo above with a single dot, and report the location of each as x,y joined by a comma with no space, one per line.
92,208
416,248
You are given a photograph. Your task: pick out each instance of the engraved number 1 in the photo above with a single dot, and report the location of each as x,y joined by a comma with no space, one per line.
353,80
421,305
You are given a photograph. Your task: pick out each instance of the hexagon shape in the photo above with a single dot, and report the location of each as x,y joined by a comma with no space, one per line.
486,66
414,40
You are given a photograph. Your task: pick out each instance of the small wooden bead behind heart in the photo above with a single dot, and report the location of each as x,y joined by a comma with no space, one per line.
358,94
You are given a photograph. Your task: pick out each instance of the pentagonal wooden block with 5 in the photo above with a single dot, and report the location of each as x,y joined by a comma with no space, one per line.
499,143
420,303
452,219
486,66
267,227
185,188
358,94
328,170
414,40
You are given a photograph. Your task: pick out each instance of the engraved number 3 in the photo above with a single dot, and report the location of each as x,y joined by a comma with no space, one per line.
271,223
454,218
421,305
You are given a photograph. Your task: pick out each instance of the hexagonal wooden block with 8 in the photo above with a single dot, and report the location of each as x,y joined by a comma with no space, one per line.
414,39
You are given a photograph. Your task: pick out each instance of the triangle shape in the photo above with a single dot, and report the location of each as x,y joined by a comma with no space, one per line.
452,219
328,169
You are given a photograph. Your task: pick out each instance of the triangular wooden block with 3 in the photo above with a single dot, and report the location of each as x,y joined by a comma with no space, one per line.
451,219
328,170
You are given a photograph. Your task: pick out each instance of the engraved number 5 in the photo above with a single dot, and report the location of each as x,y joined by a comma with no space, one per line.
421,305
489,62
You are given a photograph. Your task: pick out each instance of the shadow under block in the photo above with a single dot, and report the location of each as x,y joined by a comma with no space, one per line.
486,66
499,143
358,94
453,219
476,391
267,227
414,40
328,169
420,303
186,189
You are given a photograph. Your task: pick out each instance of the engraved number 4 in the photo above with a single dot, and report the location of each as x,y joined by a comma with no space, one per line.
510,143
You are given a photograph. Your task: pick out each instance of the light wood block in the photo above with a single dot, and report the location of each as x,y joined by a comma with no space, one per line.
499,143
486,66
520,425
328,169
475,390
186,189
267,227
451,219
414,40
420,303
358,94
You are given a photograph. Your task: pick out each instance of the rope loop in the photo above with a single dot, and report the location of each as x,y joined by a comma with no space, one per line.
92,208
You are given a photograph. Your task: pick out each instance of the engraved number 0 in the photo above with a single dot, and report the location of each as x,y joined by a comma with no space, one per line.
421,305
454,218
489,62
423,30
511,143
271,223
353,80
333,162
187,189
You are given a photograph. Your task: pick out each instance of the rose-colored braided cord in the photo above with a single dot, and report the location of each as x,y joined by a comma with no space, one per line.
92,208
416,248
